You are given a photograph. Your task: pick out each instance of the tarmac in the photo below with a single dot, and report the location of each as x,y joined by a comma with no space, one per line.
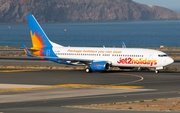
44,91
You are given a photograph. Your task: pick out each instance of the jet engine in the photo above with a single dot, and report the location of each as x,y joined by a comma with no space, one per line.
100,66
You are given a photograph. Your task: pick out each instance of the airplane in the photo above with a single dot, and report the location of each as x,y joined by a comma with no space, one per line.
93,58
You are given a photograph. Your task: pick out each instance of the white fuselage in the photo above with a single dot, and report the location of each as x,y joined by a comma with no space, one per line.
120,57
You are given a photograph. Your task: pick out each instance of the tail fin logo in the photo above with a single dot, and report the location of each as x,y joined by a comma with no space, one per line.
37,43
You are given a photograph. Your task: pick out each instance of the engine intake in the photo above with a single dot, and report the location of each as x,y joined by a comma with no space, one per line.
100,66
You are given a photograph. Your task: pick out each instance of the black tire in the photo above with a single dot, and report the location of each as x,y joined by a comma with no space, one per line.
157,71
88,70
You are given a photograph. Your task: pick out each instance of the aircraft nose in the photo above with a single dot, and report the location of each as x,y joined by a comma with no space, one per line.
170,60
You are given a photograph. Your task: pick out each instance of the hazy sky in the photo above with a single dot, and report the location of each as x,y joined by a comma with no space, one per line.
170,4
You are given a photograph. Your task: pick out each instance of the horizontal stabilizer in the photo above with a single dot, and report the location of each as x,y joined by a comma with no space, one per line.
26,51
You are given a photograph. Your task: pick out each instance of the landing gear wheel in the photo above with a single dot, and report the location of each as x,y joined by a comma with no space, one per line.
157,71
88,70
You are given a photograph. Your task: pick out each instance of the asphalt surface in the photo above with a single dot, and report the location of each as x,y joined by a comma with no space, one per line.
11,50
162,85
27,61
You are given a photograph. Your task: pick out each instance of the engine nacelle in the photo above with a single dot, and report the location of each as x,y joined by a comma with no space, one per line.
100,66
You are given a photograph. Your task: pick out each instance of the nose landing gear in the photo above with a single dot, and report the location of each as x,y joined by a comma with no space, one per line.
157,69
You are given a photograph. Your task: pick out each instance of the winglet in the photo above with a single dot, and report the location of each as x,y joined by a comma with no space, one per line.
26,51
123,45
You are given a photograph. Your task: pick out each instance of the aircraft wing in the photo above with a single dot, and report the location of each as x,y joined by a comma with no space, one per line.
62,59
67,59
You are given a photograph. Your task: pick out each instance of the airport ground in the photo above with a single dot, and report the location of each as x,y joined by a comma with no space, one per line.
48,90
53,90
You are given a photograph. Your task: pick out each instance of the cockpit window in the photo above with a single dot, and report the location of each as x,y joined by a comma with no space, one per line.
162,55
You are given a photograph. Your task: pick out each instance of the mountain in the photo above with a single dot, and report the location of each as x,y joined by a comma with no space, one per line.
15,11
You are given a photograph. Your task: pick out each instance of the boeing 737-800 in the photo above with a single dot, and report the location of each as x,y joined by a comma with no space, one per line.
94,58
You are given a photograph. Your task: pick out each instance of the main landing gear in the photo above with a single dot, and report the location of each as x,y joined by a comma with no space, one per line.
88,70
157,71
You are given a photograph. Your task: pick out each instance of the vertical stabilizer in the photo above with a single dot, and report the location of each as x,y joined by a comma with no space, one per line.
39,38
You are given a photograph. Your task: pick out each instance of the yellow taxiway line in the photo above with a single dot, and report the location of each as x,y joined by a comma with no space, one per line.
98,86
69,86
17,70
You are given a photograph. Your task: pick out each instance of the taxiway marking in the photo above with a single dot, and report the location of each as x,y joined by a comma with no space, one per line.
17,70
70,86
98,86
